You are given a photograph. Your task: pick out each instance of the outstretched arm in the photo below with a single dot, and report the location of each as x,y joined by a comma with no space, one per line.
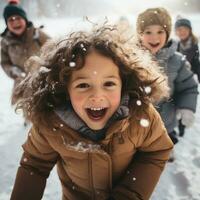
37,161
11,70
186,88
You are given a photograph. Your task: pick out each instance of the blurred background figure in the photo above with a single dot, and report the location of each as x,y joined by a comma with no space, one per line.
124,26
188,44
154,29
20,40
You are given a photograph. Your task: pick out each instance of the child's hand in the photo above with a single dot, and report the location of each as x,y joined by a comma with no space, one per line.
16,72
32,64
187,116
196,78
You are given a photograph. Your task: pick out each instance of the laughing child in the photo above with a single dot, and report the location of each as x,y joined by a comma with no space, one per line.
90,106
20,40
188,44
153,29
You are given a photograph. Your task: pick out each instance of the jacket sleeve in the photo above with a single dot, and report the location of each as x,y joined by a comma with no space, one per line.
5,59
36,163
186,88
143,173
195,63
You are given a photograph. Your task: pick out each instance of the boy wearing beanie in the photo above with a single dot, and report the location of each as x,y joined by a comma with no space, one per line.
154,28
20,40
188,44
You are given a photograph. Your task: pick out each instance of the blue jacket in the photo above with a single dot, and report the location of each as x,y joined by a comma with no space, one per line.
183,87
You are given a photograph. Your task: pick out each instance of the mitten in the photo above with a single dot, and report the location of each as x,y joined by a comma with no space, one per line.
186,116
196,78
16,72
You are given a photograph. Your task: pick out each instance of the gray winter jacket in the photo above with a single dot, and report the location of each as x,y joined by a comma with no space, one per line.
183,87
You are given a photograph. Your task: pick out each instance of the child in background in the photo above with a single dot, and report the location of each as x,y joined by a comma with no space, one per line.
125,27
20,40
90,106
188,44
154,28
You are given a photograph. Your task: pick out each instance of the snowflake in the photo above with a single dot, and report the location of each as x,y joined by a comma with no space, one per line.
72,64
183,58
134,179
138,102
144,122
147,89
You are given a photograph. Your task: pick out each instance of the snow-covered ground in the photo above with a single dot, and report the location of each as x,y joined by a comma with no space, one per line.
180,180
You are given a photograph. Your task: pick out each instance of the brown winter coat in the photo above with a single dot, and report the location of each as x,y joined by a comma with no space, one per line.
95,170
15,51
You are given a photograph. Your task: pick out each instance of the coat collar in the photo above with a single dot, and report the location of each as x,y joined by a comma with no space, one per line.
167,51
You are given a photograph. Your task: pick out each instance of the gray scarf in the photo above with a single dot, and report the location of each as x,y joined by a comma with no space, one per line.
185,45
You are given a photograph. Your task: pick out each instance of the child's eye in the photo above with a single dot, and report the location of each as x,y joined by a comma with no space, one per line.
161,32
109,84
148,32
83,85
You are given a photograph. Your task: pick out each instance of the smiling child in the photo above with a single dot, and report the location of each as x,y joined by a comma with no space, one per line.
92,114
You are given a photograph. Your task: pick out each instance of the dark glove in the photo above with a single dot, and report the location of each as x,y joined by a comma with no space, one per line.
181,128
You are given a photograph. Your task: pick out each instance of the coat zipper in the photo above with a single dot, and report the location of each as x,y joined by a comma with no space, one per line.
110,163
90,175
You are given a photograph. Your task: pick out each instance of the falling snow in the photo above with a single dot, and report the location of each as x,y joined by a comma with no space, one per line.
147,89
138,102
72,64
144,122
180,180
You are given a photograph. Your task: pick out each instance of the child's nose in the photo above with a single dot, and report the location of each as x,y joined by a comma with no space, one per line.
96,99
97,96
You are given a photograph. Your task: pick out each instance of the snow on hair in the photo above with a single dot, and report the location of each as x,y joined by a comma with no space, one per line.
47,88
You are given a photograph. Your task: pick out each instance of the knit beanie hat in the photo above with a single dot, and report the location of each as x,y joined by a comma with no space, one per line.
183,22
154,16
14,9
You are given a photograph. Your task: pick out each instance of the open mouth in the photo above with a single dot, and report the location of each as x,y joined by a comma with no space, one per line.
154,45
17,27
96,113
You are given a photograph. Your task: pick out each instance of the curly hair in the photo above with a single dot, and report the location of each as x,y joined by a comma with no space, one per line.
39,93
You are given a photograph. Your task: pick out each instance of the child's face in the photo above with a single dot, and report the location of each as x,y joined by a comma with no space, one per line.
16,24
153,38
183,32
95,90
